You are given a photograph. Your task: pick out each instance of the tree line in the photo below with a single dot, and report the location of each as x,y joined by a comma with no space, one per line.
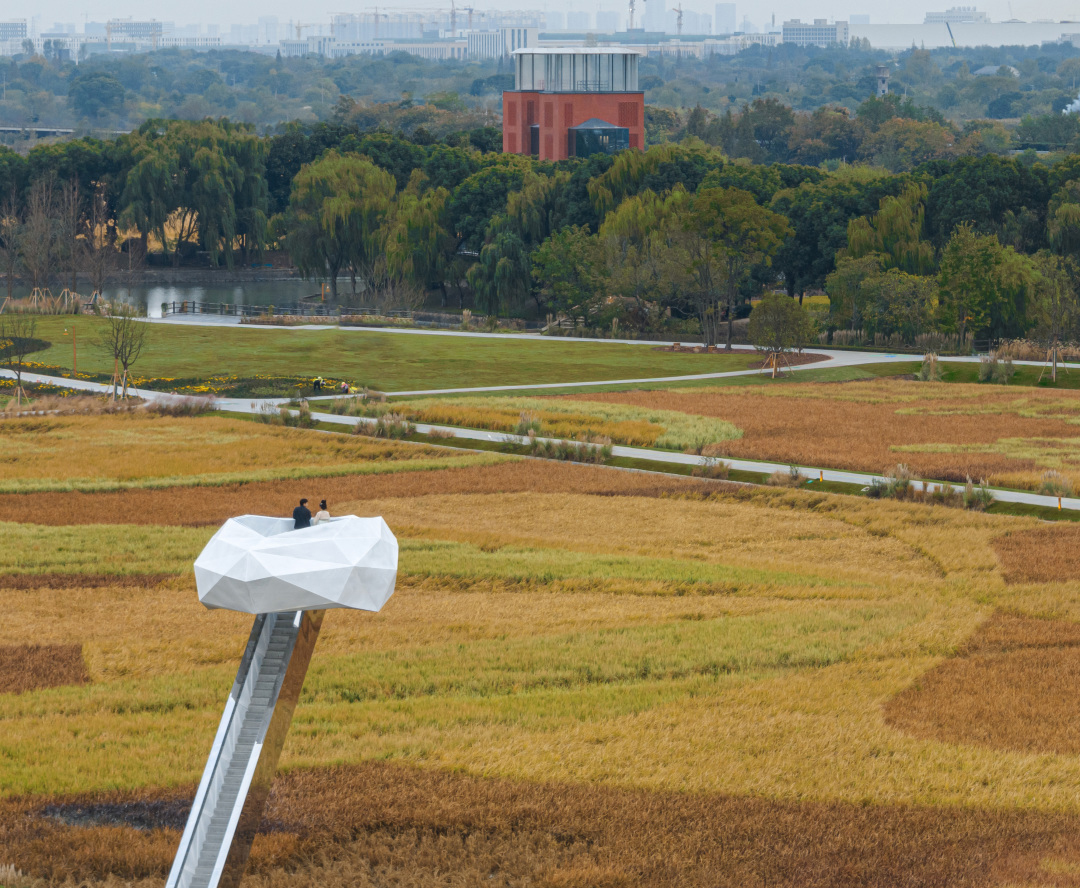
679,238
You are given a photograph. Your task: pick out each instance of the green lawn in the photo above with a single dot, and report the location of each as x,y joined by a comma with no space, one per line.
386,361
969,372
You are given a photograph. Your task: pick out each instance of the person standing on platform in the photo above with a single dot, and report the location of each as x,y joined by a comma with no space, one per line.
301,516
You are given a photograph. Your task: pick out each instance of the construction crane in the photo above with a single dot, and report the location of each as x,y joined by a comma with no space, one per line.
453,20
631,27
678,19
469,10
301,25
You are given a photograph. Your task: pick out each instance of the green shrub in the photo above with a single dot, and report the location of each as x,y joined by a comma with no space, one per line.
393,426
896,483
977,498
597,452
527,422
931,369
711,467
790,478
1004,372
1055,484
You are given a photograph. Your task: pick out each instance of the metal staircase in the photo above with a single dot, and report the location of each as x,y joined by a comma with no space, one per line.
236,781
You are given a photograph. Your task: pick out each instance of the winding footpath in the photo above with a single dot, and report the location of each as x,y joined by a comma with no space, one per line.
833,359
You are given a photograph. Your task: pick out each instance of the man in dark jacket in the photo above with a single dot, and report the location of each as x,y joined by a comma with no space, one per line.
301,516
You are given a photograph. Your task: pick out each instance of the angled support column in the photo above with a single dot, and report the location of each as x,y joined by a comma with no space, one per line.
252,812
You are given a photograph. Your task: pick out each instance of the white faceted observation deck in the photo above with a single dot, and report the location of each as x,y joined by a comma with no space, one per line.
259,565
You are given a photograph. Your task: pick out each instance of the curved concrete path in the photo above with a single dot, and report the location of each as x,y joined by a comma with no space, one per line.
253,406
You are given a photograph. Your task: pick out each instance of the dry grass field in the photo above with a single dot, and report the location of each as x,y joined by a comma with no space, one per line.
586,678
1008,436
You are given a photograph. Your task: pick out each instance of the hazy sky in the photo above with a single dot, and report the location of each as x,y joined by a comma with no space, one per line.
230,11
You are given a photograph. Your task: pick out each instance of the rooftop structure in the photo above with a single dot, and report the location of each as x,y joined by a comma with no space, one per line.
560,87
818,33
576,69
957,15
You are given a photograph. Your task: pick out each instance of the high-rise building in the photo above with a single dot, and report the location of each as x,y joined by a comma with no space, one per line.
578,20
554,21
724,20
819,33
269,30
500,43
861,18
608,21
13,30
655,16
570,101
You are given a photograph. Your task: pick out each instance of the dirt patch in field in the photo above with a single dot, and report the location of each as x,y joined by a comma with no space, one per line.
198,506
1012,686
857,426
1043,555
380,824
30,667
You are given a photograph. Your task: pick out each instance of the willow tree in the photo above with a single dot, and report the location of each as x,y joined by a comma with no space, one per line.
202,181
1063,220
895,232
150,187
418,242
644,253
336,217
503,275
726,234
983,285
1055,305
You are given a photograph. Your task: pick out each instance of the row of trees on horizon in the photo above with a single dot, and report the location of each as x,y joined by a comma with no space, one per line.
679,238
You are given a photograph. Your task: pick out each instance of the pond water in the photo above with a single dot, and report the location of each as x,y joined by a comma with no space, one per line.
151,296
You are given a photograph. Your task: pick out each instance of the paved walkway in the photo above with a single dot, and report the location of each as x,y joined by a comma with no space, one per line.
252,406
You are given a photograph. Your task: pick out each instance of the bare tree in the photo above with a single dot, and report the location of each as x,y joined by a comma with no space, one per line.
17,331
124,338
9,240
100,253
39,235
70,226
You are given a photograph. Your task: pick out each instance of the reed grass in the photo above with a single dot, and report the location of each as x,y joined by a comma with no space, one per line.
557,418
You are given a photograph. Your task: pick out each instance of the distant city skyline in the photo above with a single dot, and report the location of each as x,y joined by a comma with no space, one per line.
227,12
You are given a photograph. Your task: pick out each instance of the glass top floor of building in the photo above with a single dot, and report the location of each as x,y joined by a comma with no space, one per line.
589,69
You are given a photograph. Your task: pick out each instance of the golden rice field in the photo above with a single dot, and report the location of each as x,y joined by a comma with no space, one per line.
585,678
1008,436
146,450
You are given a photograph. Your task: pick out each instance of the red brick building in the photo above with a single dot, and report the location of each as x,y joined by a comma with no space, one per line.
560,88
